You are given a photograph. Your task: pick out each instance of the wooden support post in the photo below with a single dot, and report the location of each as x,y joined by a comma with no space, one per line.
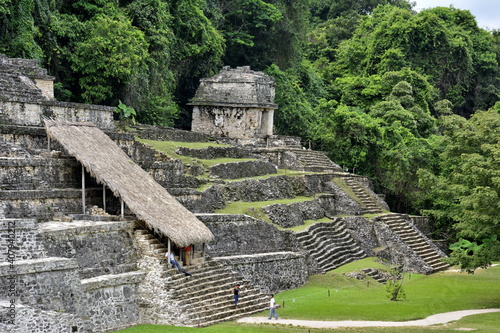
104,197
122,214
83,189
168,251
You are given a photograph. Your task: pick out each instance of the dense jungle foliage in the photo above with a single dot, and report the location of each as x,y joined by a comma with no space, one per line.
411,100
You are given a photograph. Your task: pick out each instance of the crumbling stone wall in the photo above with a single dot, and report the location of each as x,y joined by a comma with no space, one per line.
270,272
213,152
294,214
33,320
43,204
46,284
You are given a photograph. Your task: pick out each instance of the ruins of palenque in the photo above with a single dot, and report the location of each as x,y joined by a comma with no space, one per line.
87,213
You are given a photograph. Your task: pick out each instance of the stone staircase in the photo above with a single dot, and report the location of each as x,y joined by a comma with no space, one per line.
415,240
205,297
329,245
315,161
375,274
368,202
149,244
12,86
207,294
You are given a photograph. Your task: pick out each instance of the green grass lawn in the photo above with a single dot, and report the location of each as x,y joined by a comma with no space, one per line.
333,296
426,295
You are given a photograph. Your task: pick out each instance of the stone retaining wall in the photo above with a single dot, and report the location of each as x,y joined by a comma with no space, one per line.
46,284
270,272
39,173
44,204
24,236
294,214
33,320
111,301
213,152
243,234
243,169
99,248
171,134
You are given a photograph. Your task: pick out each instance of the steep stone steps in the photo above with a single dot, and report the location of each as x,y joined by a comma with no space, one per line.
369,203
150,245
207,294
205,297
315,161
415,240
12,86
329,245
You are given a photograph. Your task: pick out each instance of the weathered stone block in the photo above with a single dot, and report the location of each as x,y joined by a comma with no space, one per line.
99,248
271,272
243,169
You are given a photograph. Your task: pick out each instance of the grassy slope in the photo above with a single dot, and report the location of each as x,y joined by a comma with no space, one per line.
356,300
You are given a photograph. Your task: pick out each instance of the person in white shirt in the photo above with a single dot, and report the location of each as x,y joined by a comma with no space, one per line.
174,262
272,308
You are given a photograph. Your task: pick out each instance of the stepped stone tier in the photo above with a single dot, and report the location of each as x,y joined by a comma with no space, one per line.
75,260
237,103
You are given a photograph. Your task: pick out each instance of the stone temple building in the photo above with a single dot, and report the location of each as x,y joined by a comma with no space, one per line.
236,103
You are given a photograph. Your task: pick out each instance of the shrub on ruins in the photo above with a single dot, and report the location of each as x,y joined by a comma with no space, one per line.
394,285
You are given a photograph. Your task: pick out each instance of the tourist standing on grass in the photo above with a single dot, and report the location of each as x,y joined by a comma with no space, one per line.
236,295
272,308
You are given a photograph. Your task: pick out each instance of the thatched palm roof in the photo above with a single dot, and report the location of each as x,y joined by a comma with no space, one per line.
147,199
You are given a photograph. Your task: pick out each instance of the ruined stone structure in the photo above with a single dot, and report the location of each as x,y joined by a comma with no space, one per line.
64,270
27,96
236,103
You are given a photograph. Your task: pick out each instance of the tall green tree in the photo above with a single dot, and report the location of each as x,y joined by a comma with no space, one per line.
296,114
351,137
17,30
153,96
444,44
465,189
109,57
323,10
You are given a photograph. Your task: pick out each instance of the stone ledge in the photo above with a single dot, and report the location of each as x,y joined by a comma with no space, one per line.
85,227
258,257
37,194
19,224
111,280
33,266
221,218
38,162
